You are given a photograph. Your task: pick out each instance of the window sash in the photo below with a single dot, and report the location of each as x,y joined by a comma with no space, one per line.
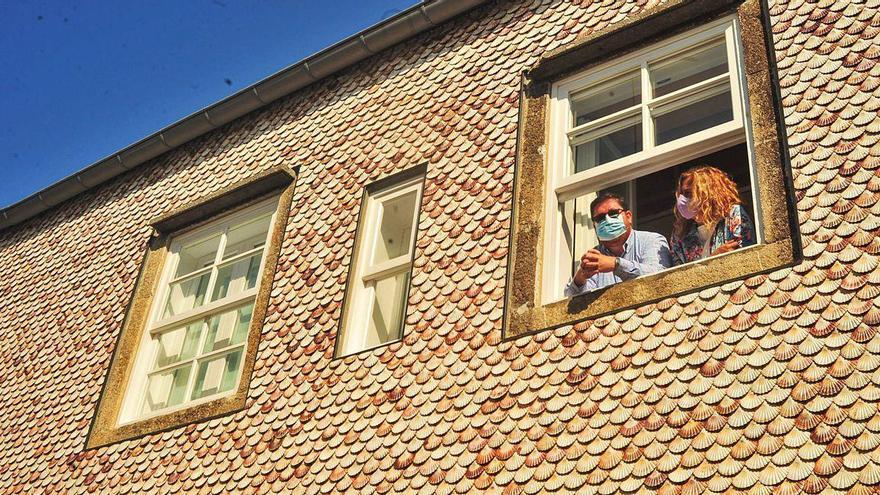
568,186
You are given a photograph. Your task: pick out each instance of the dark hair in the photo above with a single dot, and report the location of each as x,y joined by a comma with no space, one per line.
605,196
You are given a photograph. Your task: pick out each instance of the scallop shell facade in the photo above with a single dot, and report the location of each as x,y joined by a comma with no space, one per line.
765,385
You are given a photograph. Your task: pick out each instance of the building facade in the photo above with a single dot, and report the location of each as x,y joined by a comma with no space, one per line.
767,383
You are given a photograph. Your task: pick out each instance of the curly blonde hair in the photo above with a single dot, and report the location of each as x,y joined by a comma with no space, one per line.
713,194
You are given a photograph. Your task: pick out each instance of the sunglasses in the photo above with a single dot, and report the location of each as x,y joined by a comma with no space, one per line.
613,213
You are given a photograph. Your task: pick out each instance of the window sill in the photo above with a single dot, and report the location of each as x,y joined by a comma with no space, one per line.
648,289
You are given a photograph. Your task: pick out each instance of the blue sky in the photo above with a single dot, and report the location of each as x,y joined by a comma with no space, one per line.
81,80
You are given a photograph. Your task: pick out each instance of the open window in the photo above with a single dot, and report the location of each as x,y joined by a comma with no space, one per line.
377,294
632,125
627,111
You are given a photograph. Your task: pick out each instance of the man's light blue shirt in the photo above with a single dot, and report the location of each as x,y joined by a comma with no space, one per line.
643,253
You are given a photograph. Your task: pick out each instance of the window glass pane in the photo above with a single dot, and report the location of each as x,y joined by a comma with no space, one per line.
178,344
246,237
606,98
217,374
693,118
386,317
395,231
689,68
186,294
237,277
197,255
607,148
166,388
227,329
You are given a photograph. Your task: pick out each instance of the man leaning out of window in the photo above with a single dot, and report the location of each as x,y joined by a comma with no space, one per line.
622,254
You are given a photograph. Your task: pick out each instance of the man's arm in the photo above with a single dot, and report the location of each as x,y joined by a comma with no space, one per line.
653,258
573,289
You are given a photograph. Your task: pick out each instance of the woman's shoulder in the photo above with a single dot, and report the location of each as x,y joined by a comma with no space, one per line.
738,211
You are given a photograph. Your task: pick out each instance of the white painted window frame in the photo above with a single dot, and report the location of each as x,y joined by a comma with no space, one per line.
360,301
562,186
148,348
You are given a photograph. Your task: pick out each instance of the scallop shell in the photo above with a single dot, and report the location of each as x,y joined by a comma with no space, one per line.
693,487
851,429
655,480
866,332
840,446
744,479
844,479
828,465
668,462
867,441
815,484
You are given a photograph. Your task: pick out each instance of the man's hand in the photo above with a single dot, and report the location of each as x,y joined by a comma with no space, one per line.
593,262
727,247
584,271
599,262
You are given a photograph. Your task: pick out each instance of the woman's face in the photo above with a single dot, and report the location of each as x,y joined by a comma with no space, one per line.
685,187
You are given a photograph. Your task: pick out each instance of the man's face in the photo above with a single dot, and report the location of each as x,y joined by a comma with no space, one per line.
611,205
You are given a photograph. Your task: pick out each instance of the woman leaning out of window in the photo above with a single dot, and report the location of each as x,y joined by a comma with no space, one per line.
709,216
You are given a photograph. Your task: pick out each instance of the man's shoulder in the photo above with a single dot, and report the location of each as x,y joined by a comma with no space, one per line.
649,236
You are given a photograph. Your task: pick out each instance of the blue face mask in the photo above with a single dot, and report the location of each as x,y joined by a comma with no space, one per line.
610,228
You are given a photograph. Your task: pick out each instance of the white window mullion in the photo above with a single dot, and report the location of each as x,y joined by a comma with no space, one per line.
692,94
369,300
647,98
209,294
639,164
194,370
387,268
210,308
604,122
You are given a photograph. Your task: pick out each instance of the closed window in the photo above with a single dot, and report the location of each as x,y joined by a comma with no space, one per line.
376,305
197,333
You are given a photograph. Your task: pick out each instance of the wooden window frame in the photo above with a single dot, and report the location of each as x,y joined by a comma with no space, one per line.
530,306
113,421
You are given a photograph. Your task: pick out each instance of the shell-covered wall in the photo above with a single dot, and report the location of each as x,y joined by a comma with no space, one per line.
767,385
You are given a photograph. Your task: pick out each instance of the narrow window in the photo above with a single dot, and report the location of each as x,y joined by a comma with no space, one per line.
197,333
376,306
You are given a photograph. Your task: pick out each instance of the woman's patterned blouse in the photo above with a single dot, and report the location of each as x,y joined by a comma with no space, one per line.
690,248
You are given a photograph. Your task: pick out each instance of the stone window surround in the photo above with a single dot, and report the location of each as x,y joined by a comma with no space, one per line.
781,247
279,181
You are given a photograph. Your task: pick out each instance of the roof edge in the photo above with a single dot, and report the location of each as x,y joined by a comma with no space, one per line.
362,45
